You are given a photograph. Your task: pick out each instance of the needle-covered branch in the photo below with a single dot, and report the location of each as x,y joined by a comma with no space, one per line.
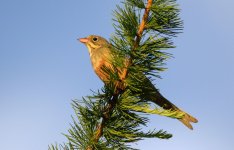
143,24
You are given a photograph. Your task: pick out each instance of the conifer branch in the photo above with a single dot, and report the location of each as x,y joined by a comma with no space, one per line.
139,35
143,24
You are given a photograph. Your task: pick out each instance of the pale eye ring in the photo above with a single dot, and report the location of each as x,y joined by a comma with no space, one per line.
95,39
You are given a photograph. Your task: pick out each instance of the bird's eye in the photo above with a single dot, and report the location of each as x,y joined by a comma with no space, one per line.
95,39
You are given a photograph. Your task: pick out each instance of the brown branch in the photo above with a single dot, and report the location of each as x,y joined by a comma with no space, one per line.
143,24
112,102
139,34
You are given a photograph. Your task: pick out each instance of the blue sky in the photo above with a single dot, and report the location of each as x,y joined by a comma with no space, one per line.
43,67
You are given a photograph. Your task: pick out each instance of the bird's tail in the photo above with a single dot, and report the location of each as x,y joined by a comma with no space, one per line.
187,119
166,104
161,101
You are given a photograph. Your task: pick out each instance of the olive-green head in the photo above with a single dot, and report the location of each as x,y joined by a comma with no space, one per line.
94,42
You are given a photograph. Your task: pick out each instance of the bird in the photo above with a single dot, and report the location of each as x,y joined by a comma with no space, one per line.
102,55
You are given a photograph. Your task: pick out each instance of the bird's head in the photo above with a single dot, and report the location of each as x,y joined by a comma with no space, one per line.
94,42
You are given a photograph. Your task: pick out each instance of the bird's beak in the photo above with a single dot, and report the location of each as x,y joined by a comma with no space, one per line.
83,40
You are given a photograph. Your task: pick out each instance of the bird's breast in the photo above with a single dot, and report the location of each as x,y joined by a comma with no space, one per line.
101,66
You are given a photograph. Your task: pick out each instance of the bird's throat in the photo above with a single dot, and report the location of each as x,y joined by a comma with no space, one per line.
91,47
